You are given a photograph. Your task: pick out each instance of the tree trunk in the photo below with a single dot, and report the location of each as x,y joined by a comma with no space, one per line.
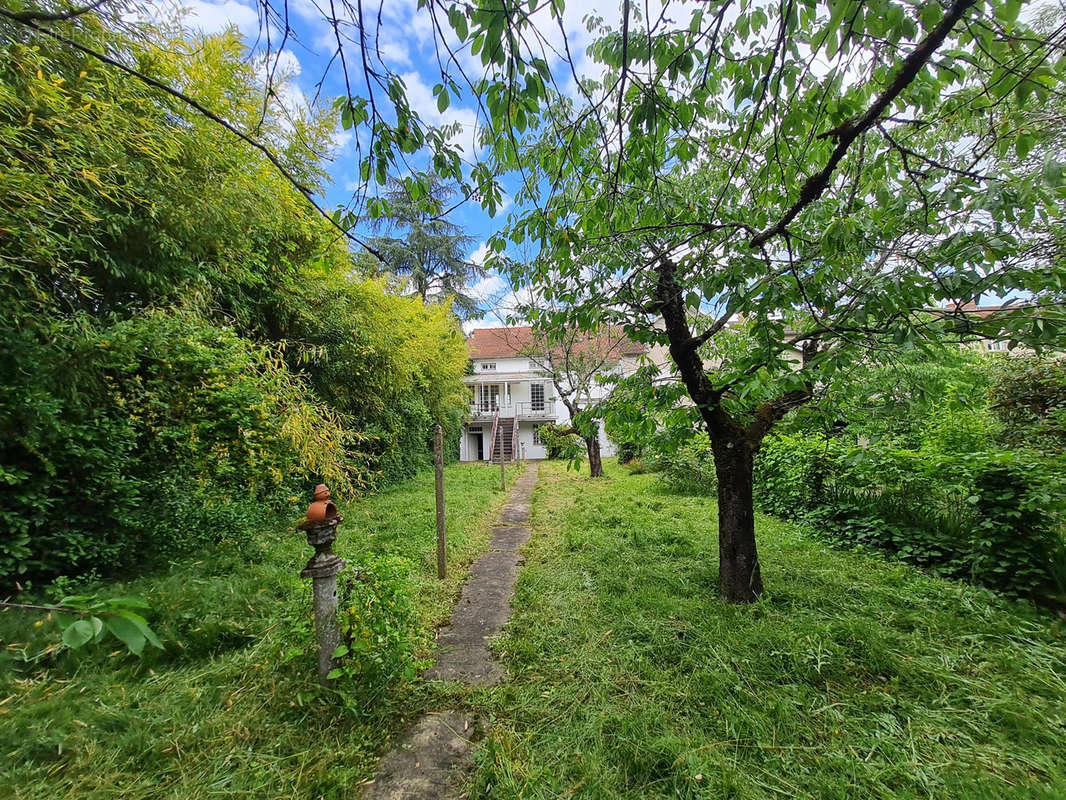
592,444
739,577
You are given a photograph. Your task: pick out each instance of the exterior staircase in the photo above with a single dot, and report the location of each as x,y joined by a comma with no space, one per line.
509,428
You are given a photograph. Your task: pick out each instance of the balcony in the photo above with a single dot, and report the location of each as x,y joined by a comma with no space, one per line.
544,410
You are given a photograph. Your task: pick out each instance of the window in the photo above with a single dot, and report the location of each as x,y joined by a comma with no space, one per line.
536,435
488,366
998,347
536,397
488,397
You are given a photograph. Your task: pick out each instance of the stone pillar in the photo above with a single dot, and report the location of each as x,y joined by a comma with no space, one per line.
322,569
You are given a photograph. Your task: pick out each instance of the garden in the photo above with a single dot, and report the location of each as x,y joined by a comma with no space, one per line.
241,250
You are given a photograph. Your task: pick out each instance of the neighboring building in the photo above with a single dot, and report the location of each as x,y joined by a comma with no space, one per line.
511,377
984,343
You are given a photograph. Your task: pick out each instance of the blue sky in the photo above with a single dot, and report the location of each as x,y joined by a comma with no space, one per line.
407,47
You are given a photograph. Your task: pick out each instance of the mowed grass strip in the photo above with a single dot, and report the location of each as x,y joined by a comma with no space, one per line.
853,678
231,707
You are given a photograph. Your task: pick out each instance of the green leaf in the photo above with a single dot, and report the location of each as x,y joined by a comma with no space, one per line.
1007,12
142,625
78,634
334,674
458,22
127,633
1053,172
342,650
1024,144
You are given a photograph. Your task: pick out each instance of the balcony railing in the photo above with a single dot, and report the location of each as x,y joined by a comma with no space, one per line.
525,410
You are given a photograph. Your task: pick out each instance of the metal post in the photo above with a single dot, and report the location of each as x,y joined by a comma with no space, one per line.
321,529
503,468
438,469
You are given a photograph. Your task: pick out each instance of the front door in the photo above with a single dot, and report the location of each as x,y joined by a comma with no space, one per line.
479,437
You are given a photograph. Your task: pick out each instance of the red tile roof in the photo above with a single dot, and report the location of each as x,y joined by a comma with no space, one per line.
519,340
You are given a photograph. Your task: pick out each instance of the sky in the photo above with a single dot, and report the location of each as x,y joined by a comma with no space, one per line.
407,47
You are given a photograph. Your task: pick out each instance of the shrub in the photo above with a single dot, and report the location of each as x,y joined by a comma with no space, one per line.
689,469
1016,540
562,446
1028,398
628,451
789,473
952,426
989,517
164,437
377,628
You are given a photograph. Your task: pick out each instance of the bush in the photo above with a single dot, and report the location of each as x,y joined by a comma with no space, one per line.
377,628
989,517
130,428
1016,540
1028,398
789,474
562,446
627,451
689,469
164,437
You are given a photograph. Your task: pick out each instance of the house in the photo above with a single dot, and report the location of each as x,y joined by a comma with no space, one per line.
980,342
512,393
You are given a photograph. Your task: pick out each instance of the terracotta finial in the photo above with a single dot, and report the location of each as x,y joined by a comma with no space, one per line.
322,508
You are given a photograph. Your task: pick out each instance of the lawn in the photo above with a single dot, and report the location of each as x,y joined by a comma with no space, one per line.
231,707
853,677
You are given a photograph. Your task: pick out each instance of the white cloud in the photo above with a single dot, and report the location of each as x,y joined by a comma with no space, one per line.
282,69
488,288
342,138
472,324
502,310
212,17
480,254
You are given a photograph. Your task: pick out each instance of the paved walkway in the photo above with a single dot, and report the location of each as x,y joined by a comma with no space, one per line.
434,756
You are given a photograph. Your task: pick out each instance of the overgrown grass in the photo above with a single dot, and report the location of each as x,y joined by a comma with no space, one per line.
231,706
853,678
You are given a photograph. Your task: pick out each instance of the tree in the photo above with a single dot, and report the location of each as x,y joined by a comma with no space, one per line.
183,339
844,177
429,250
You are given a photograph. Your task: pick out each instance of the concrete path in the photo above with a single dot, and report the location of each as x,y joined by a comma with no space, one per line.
433,759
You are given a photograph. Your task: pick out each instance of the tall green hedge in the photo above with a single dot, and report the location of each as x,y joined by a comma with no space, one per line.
184,341
994,517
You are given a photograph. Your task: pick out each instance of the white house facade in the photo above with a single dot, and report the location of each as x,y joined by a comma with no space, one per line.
512,395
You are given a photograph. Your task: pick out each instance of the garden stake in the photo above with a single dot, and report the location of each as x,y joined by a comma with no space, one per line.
438,470
320,525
